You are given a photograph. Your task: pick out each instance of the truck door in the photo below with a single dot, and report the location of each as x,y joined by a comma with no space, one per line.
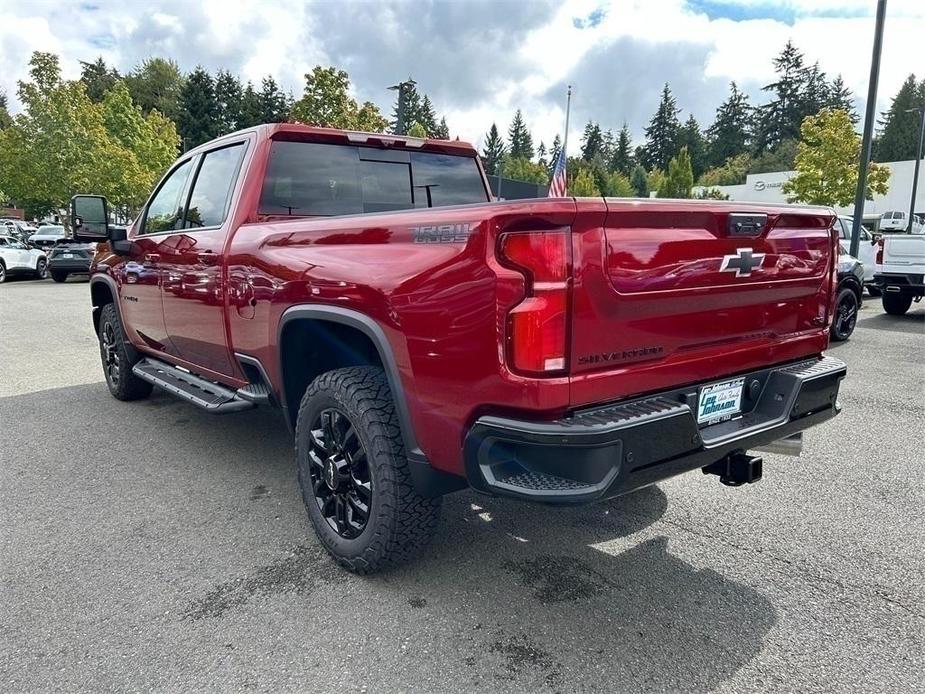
191,264
138,273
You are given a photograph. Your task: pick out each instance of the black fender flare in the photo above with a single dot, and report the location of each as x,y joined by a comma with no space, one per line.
99,278
427,480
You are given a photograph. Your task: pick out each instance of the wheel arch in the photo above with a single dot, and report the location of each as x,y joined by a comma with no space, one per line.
103,291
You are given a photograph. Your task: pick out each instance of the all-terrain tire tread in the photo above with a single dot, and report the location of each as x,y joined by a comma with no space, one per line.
130,387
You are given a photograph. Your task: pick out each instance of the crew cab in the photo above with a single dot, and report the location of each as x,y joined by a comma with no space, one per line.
419,338
900,271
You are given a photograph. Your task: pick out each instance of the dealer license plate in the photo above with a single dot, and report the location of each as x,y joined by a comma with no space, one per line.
720,401
67,255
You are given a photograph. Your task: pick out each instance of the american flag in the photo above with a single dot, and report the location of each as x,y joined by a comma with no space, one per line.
557,186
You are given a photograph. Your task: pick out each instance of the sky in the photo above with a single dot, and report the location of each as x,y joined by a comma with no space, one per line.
480,60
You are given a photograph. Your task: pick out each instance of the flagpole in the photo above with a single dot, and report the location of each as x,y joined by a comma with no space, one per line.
568,108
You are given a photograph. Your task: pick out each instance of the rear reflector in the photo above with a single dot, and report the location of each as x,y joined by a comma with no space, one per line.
537,326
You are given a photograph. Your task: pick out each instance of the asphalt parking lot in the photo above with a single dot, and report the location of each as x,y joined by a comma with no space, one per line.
151,547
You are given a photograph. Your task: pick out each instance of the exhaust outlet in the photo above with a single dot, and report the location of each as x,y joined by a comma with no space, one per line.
791,445
736,469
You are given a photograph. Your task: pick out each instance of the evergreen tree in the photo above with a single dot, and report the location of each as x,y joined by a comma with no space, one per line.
622,158
541,156
729,134
780,118
662,132
691,137
520,142
493,151
554,152
839,96
427,117
640,181
98,78
250,112
592,142
899,136
6,120
443,131
274,103
197,110
228,102
156,84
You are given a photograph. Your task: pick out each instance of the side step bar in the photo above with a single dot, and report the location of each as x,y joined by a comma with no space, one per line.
204,394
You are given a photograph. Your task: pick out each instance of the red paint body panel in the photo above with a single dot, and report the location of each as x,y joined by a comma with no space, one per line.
645,284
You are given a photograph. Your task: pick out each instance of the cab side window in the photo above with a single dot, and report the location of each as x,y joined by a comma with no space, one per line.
212,188
165,211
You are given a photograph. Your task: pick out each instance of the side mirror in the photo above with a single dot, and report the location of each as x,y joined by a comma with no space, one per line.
90,217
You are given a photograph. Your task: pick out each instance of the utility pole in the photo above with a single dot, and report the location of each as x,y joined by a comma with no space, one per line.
402,89
867,139
918,160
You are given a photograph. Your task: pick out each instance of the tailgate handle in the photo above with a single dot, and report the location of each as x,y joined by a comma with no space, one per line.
741,224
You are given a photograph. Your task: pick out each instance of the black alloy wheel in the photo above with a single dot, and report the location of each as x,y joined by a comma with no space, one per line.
340,473
111,361
846,315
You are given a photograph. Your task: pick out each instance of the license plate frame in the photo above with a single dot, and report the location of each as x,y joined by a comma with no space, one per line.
67,255
726,402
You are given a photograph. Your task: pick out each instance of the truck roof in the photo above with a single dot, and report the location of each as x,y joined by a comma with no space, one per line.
311,133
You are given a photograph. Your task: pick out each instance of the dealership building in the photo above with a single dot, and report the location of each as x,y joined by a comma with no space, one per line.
766,187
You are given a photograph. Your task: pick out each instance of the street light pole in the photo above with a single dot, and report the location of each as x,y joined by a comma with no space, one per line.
402,89
867,140
918,160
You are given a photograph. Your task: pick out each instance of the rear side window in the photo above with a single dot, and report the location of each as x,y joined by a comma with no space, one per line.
312,179
212,188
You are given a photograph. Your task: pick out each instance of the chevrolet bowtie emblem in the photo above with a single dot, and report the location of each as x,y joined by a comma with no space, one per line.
742,263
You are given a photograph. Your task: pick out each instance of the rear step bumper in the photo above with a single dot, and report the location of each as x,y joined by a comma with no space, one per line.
186,386
608,451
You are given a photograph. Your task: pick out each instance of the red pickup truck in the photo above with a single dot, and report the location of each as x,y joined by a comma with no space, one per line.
420,338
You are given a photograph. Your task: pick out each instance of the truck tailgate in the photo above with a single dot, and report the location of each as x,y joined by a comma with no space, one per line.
668,293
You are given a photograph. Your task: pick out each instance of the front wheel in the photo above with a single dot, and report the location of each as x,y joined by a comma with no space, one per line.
846,315
41,269
117,364
354,475
895,303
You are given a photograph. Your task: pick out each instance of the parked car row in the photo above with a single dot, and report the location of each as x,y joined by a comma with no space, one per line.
63,258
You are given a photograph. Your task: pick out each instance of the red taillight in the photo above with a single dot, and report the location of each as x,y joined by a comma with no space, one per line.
537,326
879,259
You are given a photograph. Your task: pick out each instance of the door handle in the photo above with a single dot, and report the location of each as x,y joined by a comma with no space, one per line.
208,258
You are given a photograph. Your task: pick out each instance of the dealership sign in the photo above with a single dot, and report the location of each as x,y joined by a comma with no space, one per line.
762,185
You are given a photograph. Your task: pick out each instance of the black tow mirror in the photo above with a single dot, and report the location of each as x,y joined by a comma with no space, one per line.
90,217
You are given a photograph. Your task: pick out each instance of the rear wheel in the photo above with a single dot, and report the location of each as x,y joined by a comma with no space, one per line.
354,475
846,315
2,272
58,276
41,269
117,364
896,303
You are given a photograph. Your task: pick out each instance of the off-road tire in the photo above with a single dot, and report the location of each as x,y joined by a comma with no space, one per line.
127,386
896,304
400,521
58,276
41,269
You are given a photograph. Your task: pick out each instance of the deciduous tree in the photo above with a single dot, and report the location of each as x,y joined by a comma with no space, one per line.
326,101
680,177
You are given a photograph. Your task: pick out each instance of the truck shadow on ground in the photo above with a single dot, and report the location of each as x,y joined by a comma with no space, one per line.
511,596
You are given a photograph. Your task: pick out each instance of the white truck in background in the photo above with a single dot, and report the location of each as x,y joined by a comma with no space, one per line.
900,271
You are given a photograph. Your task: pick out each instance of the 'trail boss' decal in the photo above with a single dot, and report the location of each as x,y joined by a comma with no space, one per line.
445,233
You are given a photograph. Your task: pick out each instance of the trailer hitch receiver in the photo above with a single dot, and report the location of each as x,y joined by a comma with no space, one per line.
736,469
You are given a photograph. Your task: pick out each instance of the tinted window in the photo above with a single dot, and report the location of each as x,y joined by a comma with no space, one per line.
319,179
166,208
2,241
212,189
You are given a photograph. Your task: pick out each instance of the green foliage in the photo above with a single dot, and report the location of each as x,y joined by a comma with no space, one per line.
228,101
662,132
521,169
275,105
680,178
617,185
729,134
592,142
581,183
443,130
417,130
493,151
250,113
156,84
326,102
621,159
541,156
732,172
98,78
899,136
780,159
554,153
827,162
520,142
63,143
691,137
198,109
640,181
710,194
6,120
